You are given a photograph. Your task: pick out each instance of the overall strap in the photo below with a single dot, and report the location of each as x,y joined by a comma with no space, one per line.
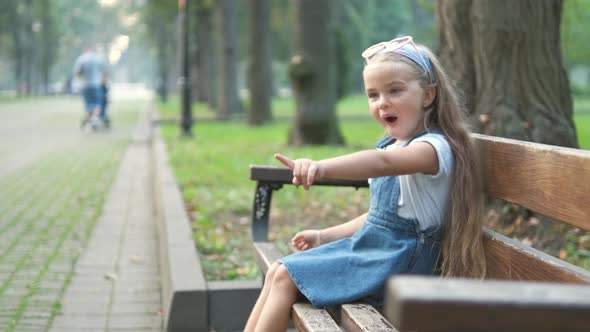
388,140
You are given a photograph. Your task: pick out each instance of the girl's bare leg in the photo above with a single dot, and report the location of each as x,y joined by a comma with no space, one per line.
277,307
255,314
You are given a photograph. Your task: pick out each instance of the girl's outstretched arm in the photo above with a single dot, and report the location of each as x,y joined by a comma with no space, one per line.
416,158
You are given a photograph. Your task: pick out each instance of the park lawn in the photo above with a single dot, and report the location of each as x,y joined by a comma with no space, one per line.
218,195
212,171
582,121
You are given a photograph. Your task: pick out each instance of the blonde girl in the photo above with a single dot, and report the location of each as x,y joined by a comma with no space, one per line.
425,208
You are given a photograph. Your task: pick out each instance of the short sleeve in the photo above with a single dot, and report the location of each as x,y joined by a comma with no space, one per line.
443,152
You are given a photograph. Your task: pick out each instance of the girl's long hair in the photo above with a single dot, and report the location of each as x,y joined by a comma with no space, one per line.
462,240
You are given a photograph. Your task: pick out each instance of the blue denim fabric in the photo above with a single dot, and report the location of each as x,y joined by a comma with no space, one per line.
357,267
92,97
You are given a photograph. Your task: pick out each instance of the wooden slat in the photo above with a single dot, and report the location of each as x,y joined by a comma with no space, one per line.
362,317
429,304
357,317
306,318
265,254
509,259
283,175
553,181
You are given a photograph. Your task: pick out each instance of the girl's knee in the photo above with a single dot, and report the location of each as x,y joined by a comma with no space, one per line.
271,273
282,279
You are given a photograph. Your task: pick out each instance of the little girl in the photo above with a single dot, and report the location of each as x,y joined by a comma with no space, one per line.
426,195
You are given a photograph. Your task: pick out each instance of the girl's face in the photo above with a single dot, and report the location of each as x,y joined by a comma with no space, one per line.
396,99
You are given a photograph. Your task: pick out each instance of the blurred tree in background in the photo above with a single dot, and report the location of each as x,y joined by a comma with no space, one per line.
312,72
260,63
203,52
226,33
506,55
159,19
39,40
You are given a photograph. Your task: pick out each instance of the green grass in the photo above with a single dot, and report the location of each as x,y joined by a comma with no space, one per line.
219,196
212,171
582,104
582,121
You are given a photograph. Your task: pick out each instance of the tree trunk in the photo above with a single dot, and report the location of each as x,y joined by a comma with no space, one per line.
508,58
506,55
203,79
161,54
228,101
259,73
17,56
456,49
49,43
28,50
312,75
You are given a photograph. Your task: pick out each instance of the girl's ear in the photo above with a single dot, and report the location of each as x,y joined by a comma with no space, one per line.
429,95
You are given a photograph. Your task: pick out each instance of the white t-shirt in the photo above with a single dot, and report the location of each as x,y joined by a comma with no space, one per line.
423,196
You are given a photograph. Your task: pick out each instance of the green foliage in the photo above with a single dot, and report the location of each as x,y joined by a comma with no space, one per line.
575,33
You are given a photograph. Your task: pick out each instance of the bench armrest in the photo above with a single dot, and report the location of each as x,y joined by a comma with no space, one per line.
271,178
283,175
476,305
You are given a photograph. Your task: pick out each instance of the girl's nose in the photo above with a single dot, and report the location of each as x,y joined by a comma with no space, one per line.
383,103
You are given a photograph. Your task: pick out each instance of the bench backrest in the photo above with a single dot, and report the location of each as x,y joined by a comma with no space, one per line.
549,180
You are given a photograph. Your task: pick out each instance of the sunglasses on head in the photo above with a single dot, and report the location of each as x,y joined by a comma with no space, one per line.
394,45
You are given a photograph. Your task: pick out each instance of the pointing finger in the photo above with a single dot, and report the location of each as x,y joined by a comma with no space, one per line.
284,160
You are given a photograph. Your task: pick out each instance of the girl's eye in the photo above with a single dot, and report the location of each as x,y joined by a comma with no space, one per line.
372,95
395,90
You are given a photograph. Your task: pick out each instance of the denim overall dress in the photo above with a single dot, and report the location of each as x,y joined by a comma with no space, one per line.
357,267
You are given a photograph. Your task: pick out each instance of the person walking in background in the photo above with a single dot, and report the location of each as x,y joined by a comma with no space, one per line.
426,195
90,68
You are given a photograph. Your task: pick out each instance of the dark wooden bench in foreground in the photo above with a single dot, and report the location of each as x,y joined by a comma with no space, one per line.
525,289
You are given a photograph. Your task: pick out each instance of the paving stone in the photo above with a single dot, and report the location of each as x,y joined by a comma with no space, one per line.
148,308
88,308
50,242
79,321
134,321
5,321
8,311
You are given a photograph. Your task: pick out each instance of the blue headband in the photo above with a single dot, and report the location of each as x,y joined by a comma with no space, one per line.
410,52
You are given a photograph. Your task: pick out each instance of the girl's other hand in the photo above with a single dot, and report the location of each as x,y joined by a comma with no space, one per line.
306,239
305,171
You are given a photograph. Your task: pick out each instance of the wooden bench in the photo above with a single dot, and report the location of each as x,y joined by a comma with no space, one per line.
525,289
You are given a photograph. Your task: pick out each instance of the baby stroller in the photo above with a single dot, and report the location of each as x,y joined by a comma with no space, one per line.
96,107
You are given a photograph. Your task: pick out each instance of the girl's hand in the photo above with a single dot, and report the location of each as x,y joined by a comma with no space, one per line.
306,239
305,171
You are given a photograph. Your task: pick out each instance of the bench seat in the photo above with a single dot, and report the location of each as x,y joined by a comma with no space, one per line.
353,317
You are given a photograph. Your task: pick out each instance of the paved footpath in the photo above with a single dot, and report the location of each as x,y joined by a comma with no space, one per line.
78,244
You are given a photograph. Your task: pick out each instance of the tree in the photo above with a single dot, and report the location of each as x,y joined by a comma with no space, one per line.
259,73
506,56
203,50
228,101
312,75
49,41
160,24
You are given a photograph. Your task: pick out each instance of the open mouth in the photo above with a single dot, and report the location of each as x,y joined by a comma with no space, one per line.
390,119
